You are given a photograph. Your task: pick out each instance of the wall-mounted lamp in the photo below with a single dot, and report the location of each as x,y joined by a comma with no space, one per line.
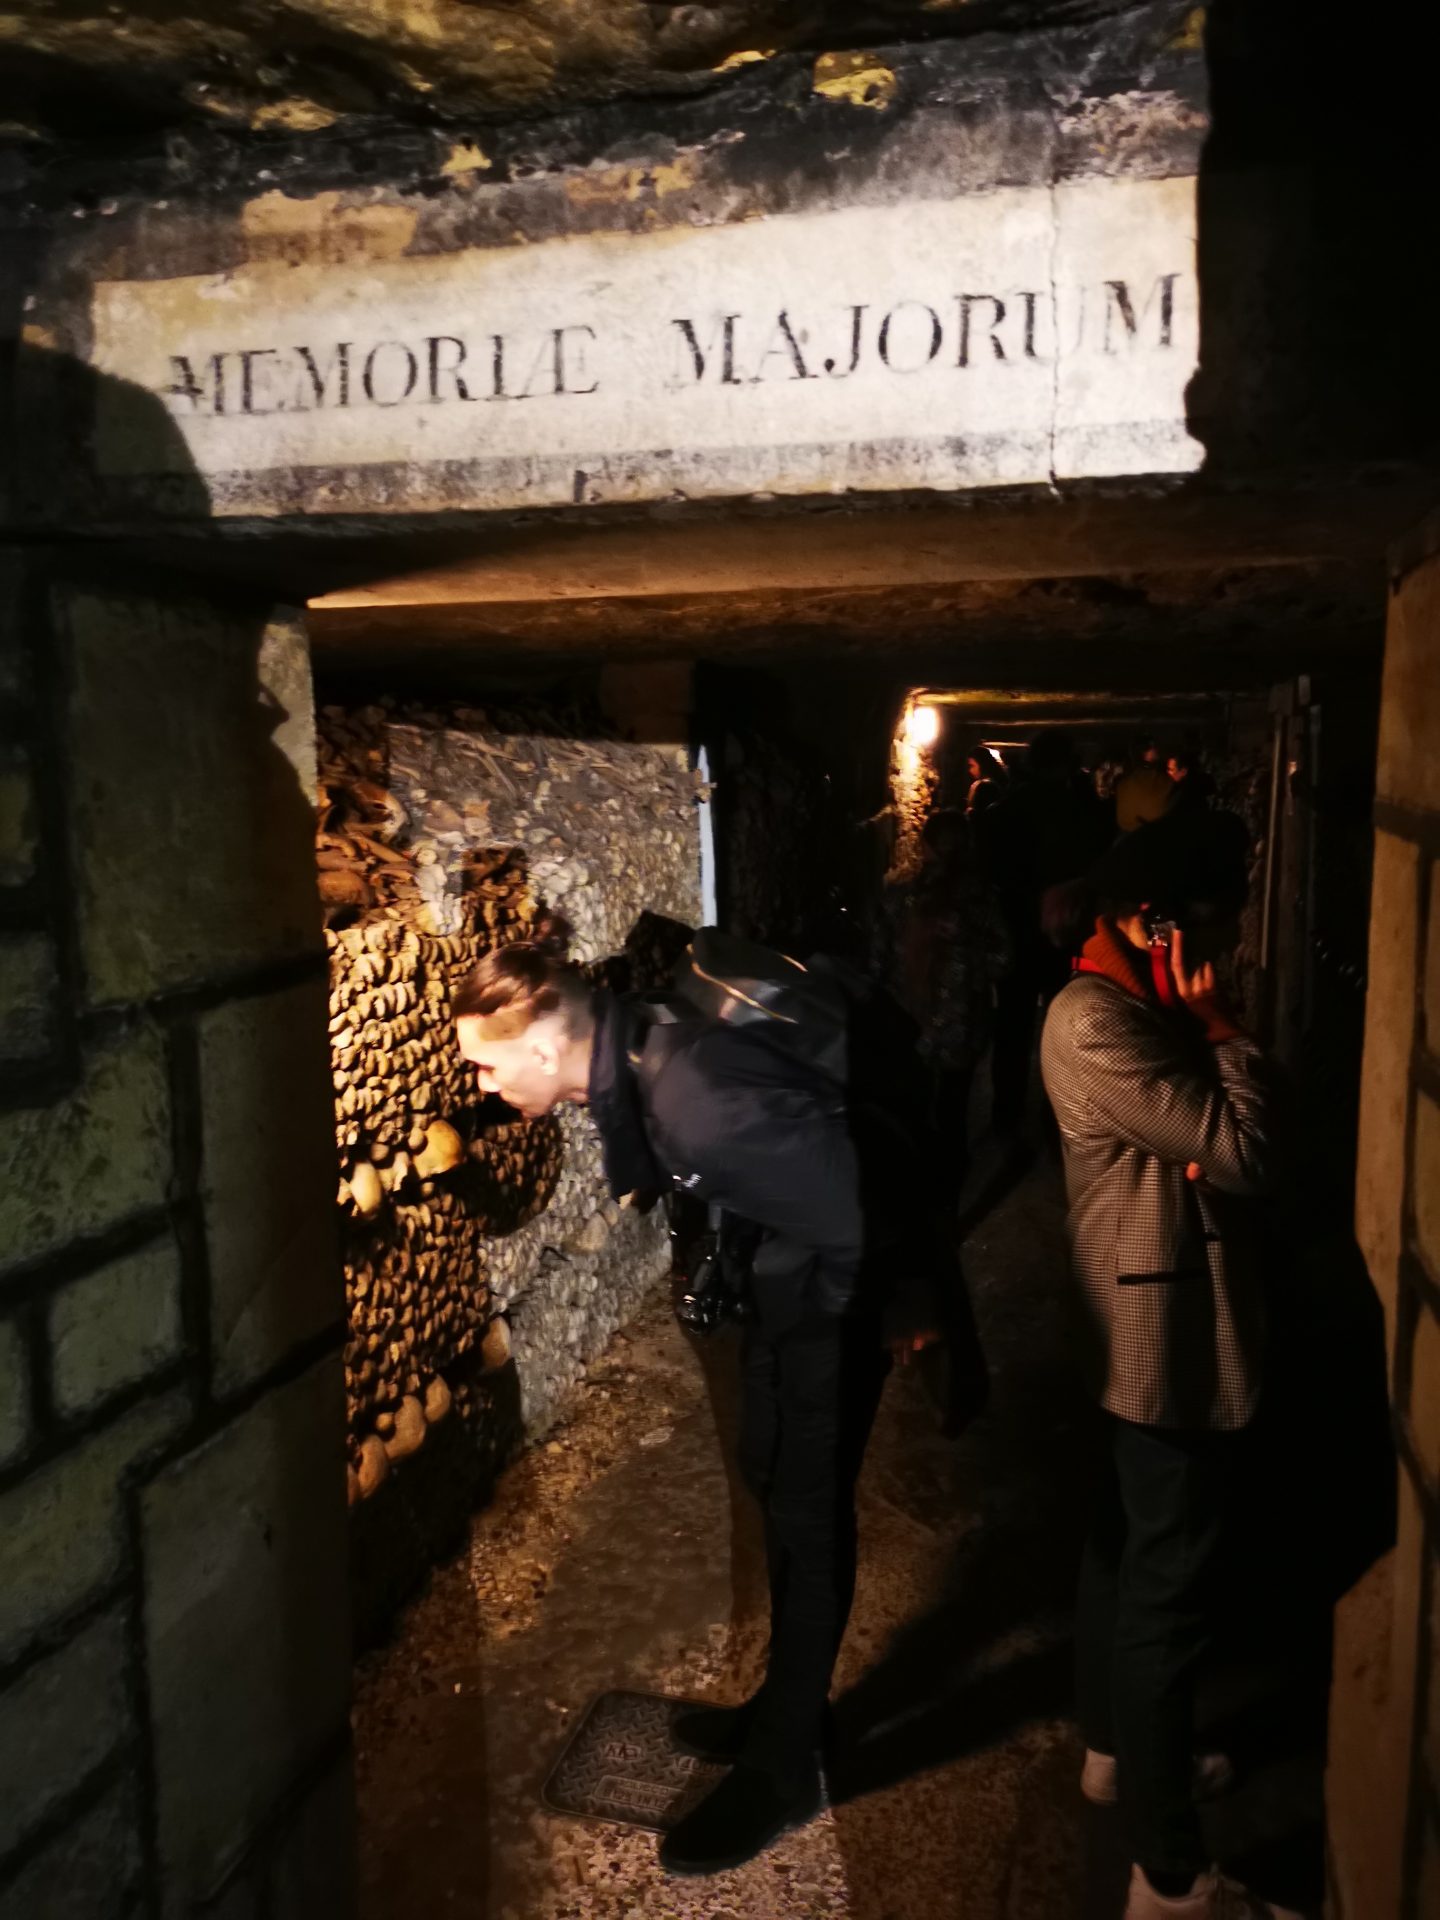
922,726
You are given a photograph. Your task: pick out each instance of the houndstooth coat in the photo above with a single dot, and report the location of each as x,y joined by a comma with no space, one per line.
1168,1267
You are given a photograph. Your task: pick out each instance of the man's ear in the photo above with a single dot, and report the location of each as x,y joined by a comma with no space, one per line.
546,1048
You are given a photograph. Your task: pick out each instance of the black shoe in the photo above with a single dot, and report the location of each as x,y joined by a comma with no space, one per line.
717,1734
746,1813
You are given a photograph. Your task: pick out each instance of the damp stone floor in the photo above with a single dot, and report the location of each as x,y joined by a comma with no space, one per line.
619,1553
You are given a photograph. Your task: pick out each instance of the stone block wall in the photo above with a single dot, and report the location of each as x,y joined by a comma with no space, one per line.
485,1263
174,1648
1384,1778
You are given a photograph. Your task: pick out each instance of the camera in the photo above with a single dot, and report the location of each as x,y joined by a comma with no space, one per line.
714,1290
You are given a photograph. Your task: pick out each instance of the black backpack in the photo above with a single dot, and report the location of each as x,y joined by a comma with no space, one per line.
823,1014
804,1011
837,1026
807,1013
841,1030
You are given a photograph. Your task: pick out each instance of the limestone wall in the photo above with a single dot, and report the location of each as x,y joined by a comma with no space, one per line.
1384,1778
967,277
485,1262
174,1658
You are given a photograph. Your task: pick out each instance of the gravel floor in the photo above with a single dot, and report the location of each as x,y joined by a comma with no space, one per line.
621,1554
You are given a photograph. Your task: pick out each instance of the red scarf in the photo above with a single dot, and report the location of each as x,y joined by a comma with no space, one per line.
1147,975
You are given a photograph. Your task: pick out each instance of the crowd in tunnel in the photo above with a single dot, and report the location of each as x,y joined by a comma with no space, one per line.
809,1126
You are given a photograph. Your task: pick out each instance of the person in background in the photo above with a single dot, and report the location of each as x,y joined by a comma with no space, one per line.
987,781
1168,1123
1048,830
1109,770
1190,783
1144,792
944,946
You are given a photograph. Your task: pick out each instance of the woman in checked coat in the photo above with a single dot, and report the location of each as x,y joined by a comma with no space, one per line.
1166,1112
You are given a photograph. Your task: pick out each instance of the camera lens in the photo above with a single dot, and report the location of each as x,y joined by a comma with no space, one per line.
699,1312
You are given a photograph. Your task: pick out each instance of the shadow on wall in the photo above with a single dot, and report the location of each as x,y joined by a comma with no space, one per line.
75,435
1317,280
177,1119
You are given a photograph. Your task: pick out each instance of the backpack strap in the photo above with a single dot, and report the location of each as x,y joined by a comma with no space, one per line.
799,1011
656,1023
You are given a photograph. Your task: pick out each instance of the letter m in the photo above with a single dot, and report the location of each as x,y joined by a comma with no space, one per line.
337,367
1119,306
700,356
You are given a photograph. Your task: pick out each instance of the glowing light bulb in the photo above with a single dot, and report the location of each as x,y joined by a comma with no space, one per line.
922,726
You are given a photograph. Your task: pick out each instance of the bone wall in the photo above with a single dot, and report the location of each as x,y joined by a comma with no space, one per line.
485,1263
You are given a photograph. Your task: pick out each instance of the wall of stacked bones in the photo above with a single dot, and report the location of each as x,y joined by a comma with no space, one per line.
480,1249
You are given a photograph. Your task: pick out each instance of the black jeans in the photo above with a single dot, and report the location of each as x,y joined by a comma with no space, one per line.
809,1401
1144,1620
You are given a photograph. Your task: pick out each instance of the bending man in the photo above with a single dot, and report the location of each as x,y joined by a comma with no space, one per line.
722,1114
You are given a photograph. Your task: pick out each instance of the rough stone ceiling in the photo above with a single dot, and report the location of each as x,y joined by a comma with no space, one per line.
1205,625
84,67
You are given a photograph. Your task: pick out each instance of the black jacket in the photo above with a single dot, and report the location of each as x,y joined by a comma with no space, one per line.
722,1114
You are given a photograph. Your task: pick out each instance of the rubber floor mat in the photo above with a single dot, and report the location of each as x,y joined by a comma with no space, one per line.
620,1764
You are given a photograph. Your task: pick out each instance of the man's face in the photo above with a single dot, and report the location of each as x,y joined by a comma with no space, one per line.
524,1071
1174,768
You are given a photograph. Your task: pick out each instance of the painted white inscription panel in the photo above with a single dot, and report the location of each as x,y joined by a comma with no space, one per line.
998,339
